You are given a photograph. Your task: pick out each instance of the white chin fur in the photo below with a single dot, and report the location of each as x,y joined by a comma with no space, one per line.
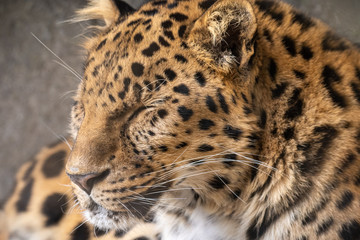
200,226
102,219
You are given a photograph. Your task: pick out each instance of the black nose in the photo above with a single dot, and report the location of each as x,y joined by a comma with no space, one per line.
86,181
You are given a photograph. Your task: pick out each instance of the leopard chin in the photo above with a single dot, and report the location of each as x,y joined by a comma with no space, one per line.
105,219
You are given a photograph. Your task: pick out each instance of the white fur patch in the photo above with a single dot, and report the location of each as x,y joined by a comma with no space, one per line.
200,226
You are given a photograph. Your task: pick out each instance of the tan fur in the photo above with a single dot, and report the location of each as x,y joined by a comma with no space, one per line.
246,123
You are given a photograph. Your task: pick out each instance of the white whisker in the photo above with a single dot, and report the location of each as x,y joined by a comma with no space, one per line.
73,71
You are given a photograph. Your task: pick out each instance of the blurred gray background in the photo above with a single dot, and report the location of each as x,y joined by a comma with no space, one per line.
35,91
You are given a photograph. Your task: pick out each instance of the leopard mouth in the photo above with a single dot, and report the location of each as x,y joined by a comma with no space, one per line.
139,209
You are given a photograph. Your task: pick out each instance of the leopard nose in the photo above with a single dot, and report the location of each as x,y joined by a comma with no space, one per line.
86,181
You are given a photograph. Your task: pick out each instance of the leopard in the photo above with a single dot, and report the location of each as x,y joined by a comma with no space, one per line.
228,119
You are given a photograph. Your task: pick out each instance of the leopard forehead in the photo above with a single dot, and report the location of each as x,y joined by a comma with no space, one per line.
141,57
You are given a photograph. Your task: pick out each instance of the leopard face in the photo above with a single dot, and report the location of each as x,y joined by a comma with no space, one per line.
154,123
231,119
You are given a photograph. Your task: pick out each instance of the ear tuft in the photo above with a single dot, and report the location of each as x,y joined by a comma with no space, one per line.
107,10
224,35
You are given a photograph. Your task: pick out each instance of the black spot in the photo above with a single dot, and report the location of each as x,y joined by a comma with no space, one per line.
229,159
263,119
205,148
356,90
117,36
181,145
232,132
299,74
295,110
350,230
181,30
179,17
205,124
151,49
101,44
222,102
161,60
25,195
162,113
96,71
169,34
350,158
272,69
279,90
182,89
324,227
159,3
138,37
111,97
54,208
160,81
210,103
170,74
126,82
289,45
219,182
303,20
116,78
151,12
121,95
119,233
184,45
199,77
332,42
81,232
142,238
99,232
306,52
167,24
180,58
267,35
346,198
163,42
185,113
137,69
289,133
172,5
329,77
312,215
137,91
206,4
315,150
268,8
146,22
151,133
163,148
54,164
295,96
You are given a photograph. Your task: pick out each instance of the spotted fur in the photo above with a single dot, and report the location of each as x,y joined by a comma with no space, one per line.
229,119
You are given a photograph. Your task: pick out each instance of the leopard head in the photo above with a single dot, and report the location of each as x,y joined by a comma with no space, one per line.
162,114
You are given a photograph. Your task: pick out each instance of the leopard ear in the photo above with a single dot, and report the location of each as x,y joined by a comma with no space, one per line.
107,10
224,35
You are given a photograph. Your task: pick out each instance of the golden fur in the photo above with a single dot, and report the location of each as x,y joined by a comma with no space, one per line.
229,120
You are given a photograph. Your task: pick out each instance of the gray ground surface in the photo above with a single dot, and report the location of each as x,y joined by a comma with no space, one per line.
35,91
